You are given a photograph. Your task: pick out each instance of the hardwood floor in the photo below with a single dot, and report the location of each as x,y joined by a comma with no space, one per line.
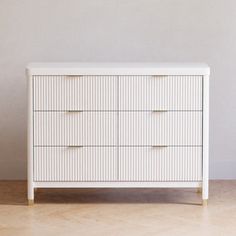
117,211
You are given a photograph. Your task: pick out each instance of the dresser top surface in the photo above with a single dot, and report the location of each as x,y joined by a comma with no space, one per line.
118,69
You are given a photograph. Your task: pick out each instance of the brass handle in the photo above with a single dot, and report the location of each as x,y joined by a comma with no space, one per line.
161,110
160,76
75,146
74,110
159,146
74,76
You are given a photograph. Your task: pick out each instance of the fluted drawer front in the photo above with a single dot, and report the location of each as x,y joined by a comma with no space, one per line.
160,92
75,128
160,164
75,164
160,128
75,92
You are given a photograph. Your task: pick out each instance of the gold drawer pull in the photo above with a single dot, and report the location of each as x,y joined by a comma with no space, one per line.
160,76
161,110
73,76
75,146
159,146
74,110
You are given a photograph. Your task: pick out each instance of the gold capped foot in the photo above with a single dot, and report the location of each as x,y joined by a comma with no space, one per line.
204,202
30,202
199,190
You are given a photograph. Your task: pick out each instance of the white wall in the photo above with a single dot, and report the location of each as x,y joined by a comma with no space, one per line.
111,31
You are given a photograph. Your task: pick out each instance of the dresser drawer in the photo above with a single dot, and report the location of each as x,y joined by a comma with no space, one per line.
160,128
75,128
75,164
75,93
160,164
160,92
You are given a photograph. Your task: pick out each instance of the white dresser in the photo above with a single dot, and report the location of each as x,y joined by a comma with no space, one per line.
117,126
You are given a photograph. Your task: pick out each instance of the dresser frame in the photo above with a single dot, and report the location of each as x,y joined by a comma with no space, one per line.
118,70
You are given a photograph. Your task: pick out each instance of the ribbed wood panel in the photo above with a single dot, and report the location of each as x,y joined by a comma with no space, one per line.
158,128
160,92
160,164
76,92
75,128
108,128
75,164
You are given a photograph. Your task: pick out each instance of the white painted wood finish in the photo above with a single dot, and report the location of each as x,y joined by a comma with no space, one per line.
160,92
117,69
118,125
75,128
56,93
119,184
160,128
30,143
160,164
75,164
100,164
205,136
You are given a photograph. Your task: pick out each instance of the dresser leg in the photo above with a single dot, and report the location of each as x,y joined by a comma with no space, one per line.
30,195
204,202
30,202
205,193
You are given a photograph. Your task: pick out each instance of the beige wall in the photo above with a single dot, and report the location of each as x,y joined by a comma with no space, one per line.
117,30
